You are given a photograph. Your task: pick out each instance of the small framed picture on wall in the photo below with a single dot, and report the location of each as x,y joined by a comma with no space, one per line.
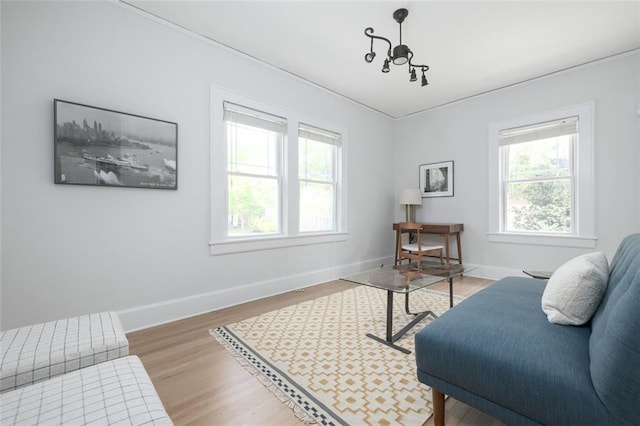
436,179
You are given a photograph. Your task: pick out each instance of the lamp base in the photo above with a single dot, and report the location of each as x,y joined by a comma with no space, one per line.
411,213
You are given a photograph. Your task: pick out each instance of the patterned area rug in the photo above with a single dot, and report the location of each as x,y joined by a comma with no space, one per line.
315,357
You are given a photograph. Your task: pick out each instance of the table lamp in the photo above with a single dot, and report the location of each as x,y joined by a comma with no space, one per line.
411,198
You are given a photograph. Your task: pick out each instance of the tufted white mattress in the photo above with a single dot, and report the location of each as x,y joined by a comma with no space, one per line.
41,351
117,392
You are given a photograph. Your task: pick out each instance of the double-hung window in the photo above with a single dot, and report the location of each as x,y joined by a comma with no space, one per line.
538,177
277,177
318,178
254,170
541,179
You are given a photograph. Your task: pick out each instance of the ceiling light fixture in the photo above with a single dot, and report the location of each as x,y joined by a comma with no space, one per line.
401,53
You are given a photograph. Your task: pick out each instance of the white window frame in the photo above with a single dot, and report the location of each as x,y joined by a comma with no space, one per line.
583,234
278,177
334,182
220,243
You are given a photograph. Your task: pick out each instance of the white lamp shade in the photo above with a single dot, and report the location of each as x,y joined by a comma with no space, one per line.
411,197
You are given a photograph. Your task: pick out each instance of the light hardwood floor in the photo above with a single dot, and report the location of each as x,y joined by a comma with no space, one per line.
200,383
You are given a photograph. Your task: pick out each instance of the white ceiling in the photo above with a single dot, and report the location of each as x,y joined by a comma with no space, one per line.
471,47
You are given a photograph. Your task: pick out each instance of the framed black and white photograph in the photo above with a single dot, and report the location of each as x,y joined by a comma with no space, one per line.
436,179
98,146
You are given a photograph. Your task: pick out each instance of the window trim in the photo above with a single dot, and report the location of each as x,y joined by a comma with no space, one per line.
289,236
584,233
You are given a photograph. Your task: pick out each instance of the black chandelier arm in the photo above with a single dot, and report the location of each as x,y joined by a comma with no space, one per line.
412,65
423,68
369,33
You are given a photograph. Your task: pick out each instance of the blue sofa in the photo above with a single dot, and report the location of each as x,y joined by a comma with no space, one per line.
497,352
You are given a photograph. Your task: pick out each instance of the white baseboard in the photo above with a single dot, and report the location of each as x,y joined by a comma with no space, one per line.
493,272
146,316
141,317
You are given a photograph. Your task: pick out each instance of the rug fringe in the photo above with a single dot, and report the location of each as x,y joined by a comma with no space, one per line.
300,414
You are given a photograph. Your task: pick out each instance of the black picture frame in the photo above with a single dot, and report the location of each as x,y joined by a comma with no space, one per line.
436,179
102,147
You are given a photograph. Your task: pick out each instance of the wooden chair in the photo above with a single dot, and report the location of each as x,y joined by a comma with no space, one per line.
413,251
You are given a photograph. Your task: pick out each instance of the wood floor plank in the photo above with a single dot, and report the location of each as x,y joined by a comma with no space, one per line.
200,383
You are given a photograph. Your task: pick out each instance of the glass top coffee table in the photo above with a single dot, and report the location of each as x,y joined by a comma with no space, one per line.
404,279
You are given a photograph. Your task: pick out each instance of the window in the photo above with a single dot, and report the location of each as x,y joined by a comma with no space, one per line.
254,170
276,177
541,179
538,177
317,161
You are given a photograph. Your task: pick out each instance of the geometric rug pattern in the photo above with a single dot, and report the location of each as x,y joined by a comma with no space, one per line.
316,358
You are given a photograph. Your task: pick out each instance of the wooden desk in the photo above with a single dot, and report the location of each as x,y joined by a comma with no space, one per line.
446,230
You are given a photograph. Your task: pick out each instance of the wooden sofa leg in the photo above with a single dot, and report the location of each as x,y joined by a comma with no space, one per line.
438,407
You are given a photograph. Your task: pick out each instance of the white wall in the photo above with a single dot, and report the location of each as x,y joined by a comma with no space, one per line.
459,132
69,249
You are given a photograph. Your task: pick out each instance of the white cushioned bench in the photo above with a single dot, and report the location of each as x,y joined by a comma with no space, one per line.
41,351
117,392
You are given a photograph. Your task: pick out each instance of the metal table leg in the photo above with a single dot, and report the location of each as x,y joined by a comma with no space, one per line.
450,292
406,300
392,338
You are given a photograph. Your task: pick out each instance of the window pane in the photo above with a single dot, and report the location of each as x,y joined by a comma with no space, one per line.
252,150
253,206
316,207
316,160
541,158
539,206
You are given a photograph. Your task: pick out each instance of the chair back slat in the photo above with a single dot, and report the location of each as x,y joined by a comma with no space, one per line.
404,253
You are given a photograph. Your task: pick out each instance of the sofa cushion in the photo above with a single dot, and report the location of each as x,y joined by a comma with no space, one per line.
614,346
38,352
117,392
498,344
575,289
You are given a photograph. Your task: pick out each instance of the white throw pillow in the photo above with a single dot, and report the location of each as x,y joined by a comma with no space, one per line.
575,289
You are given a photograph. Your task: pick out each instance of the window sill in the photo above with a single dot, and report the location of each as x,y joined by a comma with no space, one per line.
269,243
542,240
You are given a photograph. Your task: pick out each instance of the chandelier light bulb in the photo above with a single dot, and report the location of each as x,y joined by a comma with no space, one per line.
385,67
400,54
